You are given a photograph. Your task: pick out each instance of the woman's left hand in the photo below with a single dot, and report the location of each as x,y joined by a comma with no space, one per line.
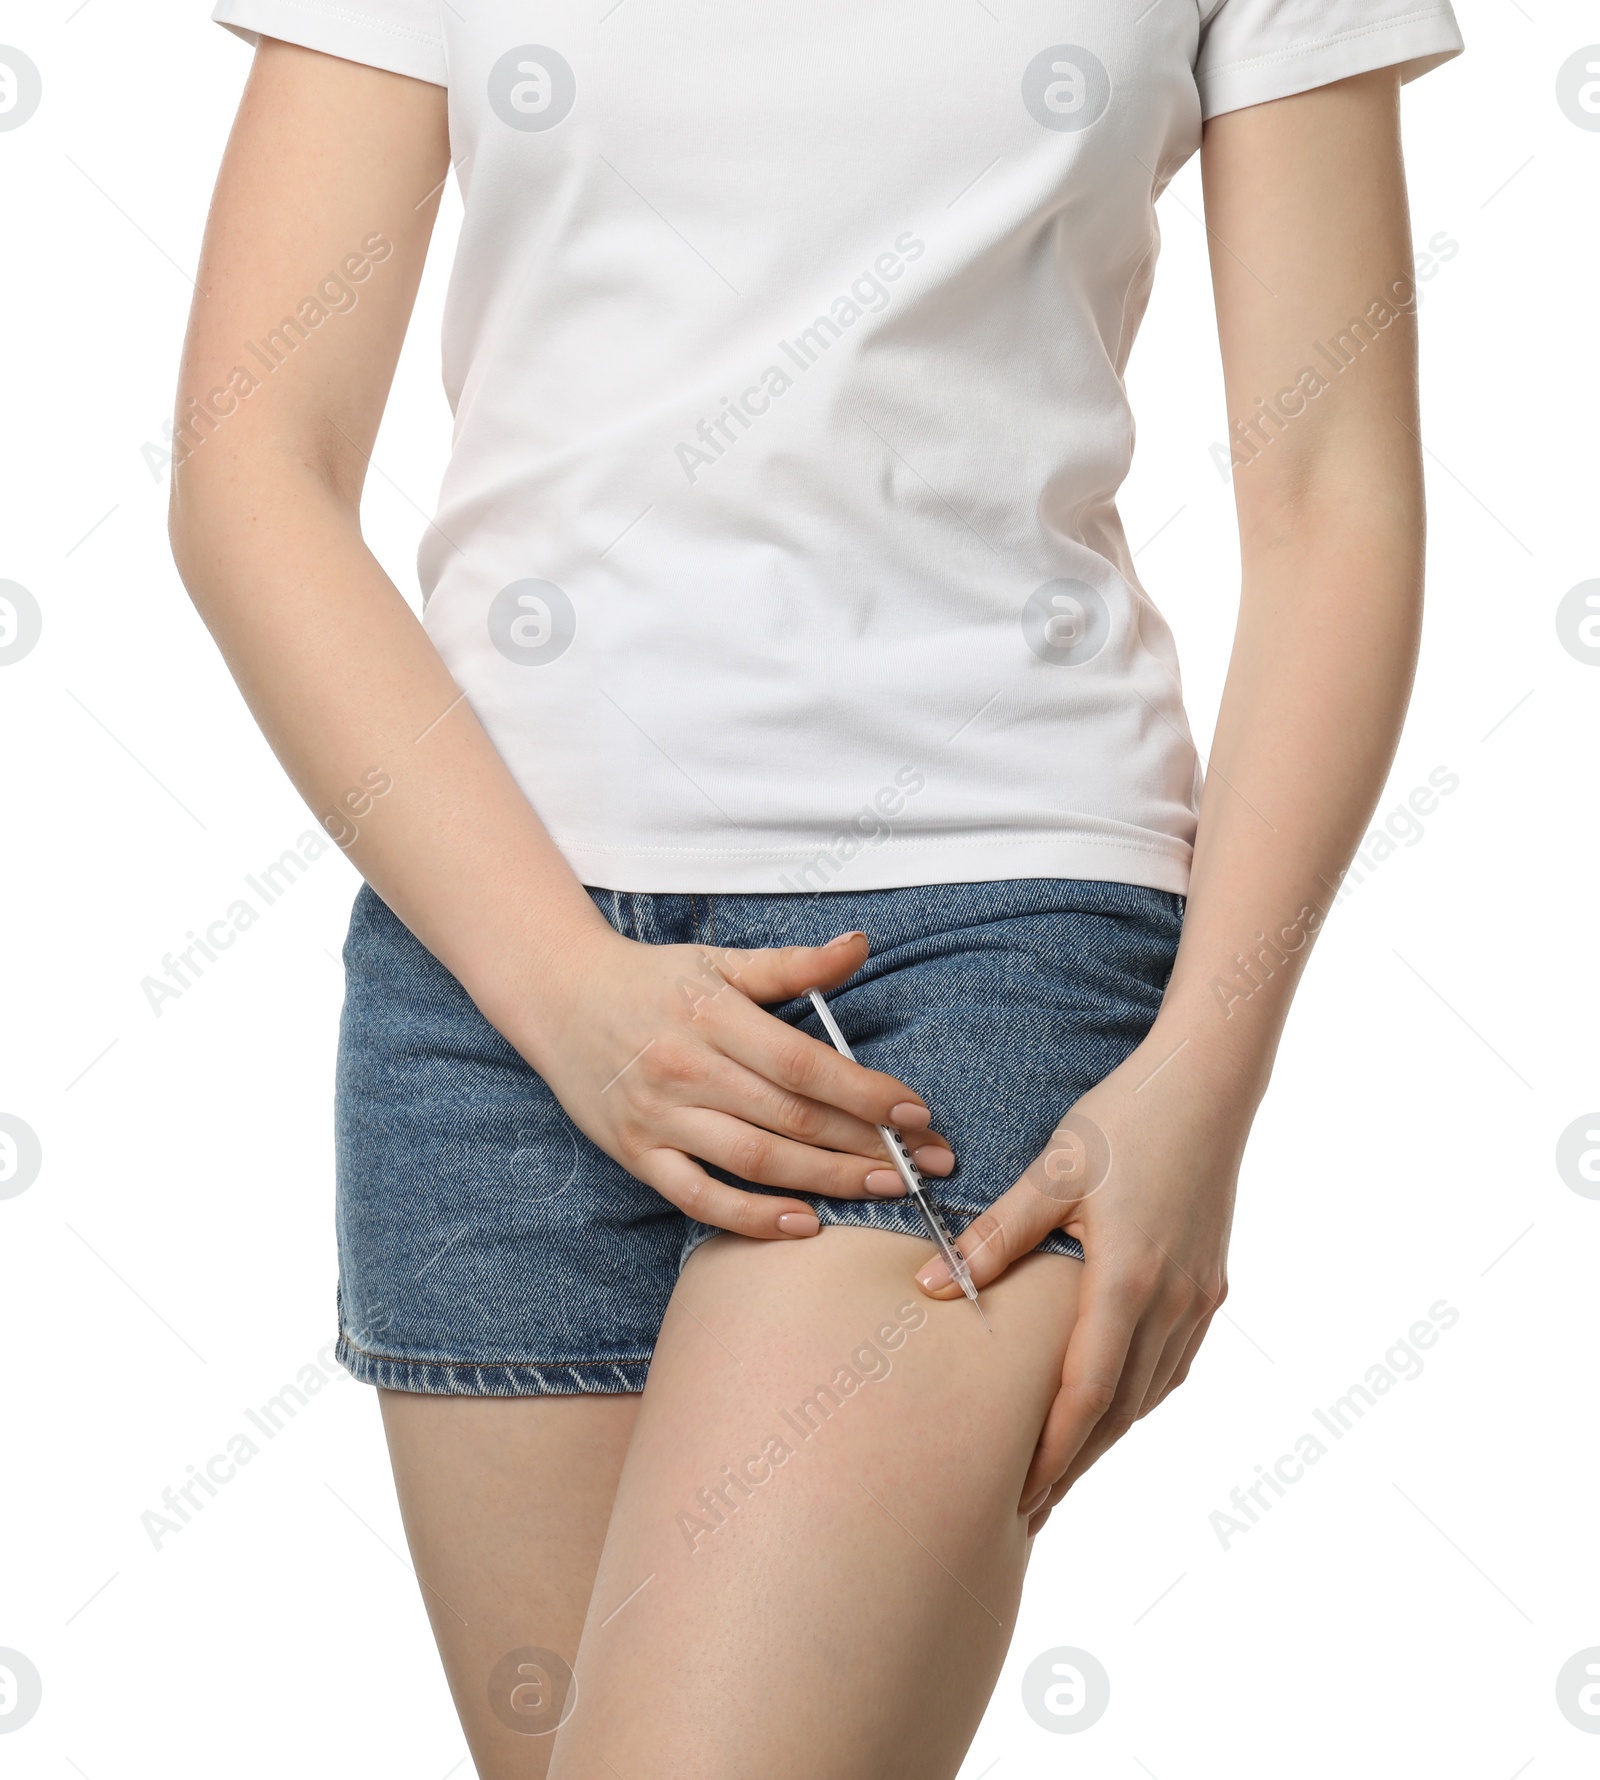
1142,1171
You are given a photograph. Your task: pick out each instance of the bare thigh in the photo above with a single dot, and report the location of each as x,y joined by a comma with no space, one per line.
505,1502
815,1556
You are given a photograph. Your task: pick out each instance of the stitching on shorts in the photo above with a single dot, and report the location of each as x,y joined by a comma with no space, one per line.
481,1365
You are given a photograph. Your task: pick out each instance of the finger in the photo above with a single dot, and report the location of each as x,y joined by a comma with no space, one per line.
1097,1354
935,1157
733,1029
772,974
682,1181
1037,1519
1145,1354
772,1161
731,1088
1178,1341
1170,1371
1180,1371
805,1065
1013,1226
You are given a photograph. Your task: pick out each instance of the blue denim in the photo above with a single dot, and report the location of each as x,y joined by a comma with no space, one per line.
488,1248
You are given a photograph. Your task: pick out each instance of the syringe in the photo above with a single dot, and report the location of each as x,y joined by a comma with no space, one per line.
900,1156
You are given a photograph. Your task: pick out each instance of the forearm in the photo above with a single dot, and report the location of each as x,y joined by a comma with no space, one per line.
325,157
361,710
367,721
1316,693
1143,1168
1330,512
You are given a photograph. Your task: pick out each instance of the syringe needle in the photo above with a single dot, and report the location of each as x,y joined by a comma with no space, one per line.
909,1173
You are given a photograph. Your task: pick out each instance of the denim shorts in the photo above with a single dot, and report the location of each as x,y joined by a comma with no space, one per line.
488,1248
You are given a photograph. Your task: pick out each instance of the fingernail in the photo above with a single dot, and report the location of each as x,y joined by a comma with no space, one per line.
799,1223
933,1158
909,1112
1035,1503
844,938
934,1275
885,1183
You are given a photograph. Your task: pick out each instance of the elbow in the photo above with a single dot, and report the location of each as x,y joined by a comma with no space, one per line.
209,487
185,530
180,529
225,507
202,533
1361,488
208,471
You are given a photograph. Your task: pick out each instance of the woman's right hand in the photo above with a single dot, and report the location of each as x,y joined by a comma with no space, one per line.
662,1055
667,1059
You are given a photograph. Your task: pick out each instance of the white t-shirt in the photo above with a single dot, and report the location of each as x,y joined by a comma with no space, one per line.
778,549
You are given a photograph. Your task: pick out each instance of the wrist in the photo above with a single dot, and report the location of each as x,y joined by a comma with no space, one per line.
526,989
1192,1051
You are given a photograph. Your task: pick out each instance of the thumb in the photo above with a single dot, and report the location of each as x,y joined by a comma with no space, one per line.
780,973
1015,1225
1050,1196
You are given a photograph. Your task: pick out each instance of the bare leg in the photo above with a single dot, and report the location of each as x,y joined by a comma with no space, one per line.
819,1515
505,1502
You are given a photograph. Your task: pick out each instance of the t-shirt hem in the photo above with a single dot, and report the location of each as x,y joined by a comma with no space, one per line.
343,31
1159,864
1416,42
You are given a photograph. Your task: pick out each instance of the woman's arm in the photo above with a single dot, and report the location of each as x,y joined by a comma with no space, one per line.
313,253
1330,510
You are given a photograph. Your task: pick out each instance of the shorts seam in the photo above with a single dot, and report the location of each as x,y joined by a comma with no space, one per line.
346,1339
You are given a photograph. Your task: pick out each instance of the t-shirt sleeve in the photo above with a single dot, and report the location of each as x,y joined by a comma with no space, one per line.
403,36
1255,50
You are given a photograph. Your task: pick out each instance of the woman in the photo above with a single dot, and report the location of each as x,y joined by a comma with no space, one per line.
780,633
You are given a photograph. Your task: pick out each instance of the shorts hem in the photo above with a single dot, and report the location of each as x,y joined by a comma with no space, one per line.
897,1215
509,1378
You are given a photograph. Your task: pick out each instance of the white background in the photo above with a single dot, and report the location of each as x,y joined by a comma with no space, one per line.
1403,1609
